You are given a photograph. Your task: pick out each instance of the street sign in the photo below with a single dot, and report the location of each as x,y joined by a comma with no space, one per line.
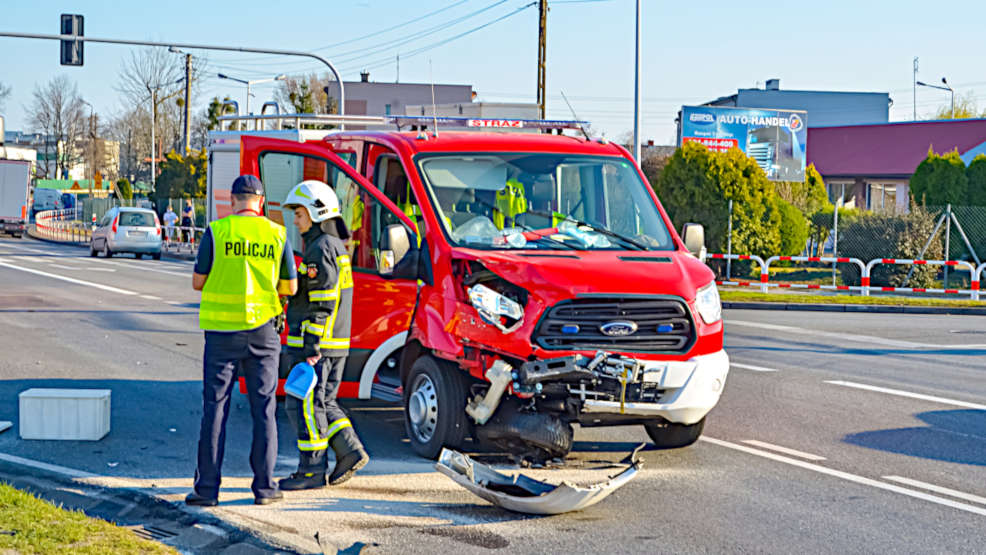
71,50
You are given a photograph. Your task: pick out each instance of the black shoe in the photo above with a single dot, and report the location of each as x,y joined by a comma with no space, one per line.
197,500
347,465
303,480
278,496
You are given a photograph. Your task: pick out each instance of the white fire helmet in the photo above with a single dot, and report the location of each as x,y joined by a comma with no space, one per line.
320,201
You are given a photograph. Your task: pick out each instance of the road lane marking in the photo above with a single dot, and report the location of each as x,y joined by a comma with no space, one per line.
95,269
856,338
145,268
908,394
68,279
150,297
785,450
938,489
862,480
64,267
751,367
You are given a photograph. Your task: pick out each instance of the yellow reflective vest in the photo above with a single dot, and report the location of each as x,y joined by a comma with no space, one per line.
241,290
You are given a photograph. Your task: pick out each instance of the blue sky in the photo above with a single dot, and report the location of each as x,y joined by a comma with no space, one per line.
691,51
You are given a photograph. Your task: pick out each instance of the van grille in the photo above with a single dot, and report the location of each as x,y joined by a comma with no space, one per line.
663,325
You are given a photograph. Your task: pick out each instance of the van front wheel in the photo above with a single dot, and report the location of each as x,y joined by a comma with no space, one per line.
434,406
668,435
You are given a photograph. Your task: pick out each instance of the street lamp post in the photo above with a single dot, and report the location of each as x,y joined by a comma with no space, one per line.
948,88
250,83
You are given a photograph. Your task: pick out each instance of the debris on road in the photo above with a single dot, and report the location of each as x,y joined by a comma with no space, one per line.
5,425
523,494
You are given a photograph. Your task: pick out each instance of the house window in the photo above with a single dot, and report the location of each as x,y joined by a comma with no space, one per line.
839,189
881,197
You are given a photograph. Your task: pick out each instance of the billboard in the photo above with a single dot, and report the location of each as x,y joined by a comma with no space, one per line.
776,139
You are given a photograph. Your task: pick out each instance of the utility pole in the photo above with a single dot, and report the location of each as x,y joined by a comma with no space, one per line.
542,55
398,69
188,98
153,146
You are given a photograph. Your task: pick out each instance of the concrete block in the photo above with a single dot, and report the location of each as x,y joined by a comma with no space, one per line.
64,414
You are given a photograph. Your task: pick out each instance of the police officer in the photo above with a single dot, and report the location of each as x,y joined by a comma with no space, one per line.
244,263
319,318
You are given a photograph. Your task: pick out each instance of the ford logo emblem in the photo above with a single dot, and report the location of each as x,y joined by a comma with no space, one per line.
618,328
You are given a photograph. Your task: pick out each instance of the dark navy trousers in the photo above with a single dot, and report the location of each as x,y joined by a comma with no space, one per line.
256,352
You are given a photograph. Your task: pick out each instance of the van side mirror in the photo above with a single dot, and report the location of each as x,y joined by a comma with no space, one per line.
394,248
694,237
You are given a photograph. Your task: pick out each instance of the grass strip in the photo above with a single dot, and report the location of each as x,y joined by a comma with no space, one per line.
798,298
32,525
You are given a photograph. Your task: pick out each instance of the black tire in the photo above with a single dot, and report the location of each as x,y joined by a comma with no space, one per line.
92,250
667,435
435,406
548,437
107,253
156,256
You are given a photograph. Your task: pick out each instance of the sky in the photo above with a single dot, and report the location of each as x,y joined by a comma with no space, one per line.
691,52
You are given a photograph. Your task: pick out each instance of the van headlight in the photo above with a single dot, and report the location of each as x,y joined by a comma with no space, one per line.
495,308
708,303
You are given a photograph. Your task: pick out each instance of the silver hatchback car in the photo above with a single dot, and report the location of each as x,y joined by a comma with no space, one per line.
124,229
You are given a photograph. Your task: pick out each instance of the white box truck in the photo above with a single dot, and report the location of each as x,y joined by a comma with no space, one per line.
15,178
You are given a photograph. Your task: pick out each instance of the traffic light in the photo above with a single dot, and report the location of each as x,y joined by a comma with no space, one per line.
72,49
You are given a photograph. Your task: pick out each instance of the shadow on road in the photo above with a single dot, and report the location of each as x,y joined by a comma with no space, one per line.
956,436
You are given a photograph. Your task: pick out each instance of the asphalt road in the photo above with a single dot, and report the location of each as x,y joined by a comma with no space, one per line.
837,432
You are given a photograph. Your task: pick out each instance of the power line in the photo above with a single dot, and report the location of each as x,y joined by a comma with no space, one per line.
445,41
377,48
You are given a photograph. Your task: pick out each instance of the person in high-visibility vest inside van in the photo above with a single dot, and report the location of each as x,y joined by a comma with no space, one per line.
319,319
243,266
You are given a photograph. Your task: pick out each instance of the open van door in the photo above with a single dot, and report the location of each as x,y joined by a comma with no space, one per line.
382,306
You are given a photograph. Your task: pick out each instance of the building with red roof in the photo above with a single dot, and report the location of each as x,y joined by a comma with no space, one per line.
871,165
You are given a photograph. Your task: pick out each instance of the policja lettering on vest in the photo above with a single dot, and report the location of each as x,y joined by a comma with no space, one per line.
253,250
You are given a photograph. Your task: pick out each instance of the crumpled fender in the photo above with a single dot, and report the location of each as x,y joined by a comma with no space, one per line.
522,494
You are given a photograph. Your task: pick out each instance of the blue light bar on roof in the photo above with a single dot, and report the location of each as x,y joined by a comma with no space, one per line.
491,123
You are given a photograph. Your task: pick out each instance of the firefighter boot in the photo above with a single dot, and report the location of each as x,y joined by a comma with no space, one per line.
350,455
310,474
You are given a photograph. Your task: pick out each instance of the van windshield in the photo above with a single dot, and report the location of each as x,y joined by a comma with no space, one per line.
543,201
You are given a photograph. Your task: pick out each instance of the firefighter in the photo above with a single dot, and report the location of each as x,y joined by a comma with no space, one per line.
243,265
321,312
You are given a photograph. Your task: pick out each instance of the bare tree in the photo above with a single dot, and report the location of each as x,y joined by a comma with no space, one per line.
151,81
4,94
56,111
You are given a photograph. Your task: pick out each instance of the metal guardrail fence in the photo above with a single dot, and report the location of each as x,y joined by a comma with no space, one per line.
65,226
866,268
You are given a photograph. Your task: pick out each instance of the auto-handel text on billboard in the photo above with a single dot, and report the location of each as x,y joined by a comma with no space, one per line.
776,139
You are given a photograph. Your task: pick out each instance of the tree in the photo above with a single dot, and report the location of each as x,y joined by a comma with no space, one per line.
940,180
181,177
808,196
965,107
976,176
155,73
4,94
56,111
696,186
793,229
308,95
208,120
124,189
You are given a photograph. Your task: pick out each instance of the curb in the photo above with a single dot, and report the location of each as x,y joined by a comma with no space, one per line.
164,254
188,530
869,308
